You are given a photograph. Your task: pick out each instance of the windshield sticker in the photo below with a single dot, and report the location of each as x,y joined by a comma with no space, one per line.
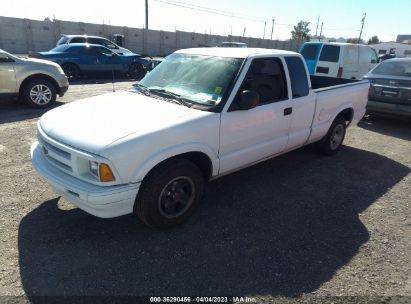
218,90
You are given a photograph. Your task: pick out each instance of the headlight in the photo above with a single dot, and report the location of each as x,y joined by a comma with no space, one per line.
102,171
93,166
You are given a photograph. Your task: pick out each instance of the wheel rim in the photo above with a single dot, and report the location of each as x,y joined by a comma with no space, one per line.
337,137
176,197
135,70
40,94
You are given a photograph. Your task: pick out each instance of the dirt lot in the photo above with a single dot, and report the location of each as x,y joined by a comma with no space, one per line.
299,228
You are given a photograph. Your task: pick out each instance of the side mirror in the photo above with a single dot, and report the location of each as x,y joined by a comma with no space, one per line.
248,100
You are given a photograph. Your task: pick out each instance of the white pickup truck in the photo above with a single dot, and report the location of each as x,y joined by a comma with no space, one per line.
202,113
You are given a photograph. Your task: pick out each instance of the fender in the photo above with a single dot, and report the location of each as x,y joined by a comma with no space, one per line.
170,152
324,120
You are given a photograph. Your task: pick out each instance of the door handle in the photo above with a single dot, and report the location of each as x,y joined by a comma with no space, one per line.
288,111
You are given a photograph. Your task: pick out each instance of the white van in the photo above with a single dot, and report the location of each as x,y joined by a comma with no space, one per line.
342,60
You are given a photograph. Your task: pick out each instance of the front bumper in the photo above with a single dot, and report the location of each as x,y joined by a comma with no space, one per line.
63,90
63,84
105,202
389,108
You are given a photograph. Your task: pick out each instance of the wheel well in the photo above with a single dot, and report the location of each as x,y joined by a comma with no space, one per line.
347,114
72,63
40,76
201,160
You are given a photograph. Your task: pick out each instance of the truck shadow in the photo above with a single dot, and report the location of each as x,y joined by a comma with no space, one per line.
283,227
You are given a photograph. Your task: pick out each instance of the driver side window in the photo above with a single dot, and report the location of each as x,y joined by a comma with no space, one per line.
267,78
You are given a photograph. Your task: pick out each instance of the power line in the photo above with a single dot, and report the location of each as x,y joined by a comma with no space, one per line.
209,10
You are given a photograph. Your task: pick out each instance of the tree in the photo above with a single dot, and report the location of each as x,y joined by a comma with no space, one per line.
355,41
374,40
301,32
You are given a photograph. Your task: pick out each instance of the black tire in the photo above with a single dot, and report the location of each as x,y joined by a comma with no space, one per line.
71,70
136,71
332,141
39,93
160,201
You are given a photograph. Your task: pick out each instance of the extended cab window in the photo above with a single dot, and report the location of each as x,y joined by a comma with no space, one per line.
298,76
330,53
267,78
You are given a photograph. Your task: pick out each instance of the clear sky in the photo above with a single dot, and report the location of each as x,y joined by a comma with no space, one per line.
341,18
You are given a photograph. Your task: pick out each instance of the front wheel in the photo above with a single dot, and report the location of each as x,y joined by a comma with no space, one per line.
136,71
169,193
334,138
71,70
39,93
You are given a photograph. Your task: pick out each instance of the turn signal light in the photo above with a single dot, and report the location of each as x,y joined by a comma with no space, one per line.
105,173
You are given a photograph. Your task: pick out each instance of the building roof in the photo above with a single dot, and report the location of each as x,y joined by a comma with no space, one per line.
233,52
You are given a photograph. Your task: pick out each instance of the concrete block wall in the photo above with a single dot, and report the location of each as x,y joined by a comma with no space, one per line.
23,35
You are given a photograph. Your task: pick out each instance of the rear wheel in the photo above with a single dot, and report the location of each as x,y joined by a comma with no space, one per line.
71,70
136,71
39,93
169,193
334,138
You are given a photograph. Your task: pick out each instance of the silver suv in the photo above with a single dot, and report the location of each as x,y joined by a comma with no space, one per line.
36,81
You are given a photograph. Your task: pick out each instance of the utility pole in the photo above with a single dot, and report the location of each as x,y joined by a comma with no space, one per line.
316,29
362,26
146,14
272,29
244,32
321,31
264,29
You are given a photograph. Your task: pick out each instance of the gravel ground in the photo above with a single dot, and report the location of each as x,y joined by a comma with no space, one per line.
301,228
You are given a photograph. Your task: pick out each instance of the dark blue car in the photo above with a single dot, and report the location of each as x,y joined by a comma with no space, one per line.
80,59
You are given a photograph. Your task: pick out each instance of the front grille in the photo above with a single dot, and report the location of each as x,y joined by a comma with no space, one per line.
55,155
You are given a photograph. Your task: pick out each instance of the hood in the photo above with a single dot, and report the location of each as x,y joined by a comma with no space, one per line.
36,61
94,123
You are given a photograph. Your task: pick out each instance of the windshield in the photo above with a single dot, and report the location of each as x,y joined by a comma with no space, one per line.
198,79
394,68
62,40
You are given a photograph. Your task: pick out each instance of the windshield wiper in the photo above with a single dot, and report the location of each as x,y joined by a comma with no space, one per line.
142,88
175,97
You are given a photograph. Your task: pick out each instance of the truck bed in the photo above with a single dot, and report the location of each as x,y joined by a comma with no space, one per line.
323,82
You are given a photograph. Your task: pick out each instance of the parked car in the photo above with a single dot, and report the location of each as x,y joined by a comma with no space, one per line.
390,91
342,60
35,81
68,39
233,44
386,56
80,59
201,114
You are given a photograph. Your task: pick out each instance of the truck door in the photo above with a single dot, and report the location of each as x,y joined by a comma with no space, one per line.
7,75
248,136
303,103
